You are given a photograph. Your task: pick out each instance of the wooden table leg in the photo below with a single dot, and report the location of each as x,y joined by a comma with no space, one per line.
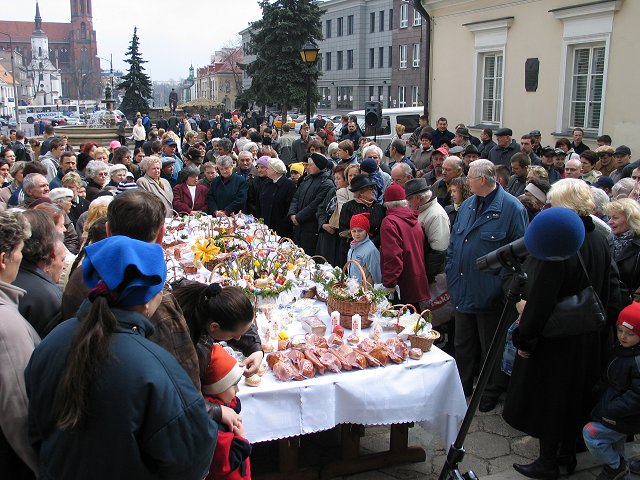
288,454
399,453
350,440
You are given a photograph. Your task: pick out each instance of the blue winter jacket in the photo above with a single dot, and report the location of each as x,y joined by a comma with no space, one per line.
146,420
503,221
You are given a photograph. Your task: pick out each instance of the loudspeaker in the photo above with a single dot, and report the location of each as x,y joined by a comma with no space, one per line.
373,114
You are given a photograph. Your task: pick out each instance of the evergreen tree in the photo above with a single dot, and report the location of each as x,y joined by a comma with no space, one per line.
136,83
278,75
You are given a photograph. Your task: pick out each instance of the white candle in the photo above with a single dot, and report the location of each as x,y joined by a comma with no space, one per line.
335,319
355,325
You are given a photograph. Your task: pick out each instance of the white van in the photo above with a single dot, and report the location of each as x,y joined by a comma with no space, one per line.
407,116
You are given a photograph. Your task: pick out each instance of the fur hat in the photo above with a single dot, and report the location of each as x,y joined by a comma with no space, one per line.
361,220
61,192
630,317
222,372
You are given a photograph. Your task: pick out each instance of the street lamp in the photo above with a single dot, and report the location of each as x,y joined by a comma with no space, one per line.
13,74
309,55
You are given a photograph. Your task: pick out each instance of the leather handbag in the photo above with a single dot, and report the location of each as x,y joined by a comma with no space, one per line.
576,314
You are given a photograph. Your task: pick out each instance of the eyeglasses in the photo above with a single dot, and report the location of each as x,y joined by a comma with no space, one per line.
635,177
103,174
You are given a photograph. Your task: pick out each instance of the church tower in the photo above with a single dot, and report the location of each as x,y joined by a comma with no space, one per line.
84,50
45,77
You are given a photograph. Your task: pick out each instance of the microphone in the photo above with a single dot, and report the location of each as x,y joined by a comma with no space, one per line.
554,234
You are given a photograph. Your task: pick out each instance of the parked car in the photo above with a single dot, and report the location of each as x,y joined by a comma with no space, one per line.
407,116
278,122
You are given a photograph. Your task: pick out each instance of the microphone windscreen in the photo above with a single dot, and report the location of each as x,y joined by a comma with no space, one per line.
554,234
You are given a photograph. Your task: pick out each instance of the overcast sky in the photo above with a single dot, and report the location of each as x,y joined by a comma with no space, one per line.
173,34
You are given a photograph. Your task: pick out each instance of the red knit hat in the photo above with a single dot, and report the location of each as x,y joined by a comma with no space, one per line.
361,220
630,317
394,192
222,372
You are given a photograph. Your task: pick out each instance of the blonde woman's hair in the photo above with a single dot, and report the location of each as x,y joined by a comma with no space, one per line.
100,150
573,194
630,209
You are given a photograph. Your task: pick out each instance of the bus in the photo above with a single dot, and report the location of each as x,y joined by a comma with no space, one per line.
31,113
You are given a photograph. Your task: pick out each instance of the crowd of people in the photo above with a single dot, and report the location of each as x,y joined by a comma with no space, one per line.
79,240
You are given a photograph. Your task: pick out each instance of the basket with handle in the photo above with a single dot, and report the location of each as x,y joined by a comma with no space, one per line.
397,311
424,342
348,308
313,291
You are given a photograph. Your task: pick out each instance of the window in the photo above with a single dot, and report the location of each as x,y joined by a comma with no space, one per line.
380,57
416,54
402,92
350,25
345,98
371,96
390,57
349,59
404,15
389,96
381,20
403,56
391,19
325,97
490,40
339,33
372,22
587,80
415,96
372,57
340,55
327,29
417,18
319,63
380,94
584,61
491,82
327,57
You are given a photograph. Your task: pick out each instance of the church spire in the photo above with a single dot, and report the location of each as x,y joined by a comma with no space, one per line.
38,18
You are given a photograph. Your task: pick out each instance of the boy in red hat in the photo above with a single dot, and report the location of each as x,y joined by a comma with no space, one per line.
617,413
363,251
220,385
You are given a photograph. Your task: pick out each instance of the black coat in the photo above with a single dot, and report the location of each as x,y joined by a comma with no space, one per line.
551,394
42,304
253,193
619,404
628,261
273,205
327,245
310,193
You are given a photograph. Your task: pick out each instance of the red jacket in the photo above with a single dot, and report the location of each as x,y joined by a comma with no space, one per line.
183,202
402,255
231,456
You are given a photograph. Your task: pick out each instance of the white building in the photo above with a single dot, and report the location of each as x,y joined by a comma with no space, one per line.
45,75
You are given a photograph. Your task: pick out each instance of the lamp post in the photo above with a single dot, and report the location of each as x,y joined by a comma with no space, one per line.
309,55
110,60
13,74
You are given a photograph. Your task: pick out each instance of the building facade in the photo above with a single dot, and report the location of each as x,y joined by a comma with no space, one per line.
222,80
550,65
356,54
72,49
409,46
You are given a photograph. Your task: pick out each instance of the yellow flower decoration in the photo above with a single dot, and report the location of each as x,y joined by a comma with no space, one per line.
256,263
204,251
277,264
283,335
290,266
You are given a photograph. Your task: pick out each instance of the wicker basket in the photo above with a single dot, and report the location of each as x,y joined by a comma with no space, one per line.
422,342
397,311
348,309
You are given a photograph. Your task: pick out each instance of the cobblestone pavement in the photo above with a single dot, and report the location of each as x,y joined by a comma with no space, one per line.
492,447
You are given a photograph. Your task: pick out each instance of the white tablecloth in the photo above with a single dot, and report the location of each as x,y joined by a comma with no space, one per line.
427,391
